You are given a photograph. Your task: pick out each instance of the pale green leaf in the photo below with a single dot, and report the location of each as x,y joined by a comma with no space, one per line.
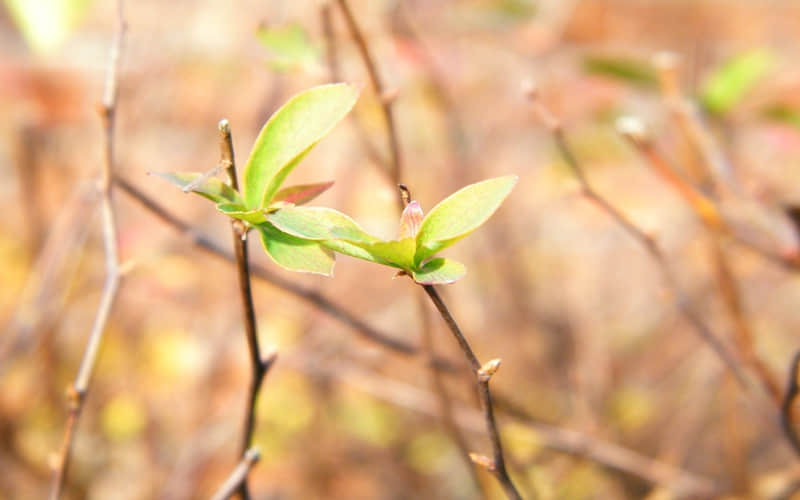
290,47
302,193
295,254
237,211
396,253
289,134
461,213
731,82
46,24
319,223
439,271
211,188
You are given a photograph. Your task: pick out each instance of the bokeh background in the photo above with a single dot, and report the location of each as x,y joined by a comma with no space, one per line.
594,349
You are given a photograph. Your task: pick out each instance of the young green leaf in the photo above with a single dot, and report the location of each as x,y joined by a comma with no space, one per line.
237,211
729,84
461,213
295,254
302,193
396,253
289,46
288,136
319,223
211,188
410,220
439,271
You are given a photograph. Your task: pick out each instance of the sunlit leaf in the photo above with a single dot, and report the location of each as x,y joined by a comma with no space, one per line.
461,213
290,47
237,211
439,271
211,188
319,223
730,83
398,253
295,254
46,24
629,70
302,193
288,136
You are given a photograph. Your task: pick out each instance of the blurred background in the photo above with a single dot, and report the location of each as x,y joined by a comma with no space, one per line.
605,389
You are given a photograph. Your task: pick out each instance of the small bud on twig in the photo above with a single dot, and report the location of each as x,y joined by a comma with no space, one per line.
488,369
482,460
633,129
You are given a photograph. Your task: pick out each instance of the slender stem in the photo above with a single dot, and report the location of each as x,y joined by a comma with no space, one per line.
238,477
648,242
378,86
497,465
258,365
787,407
77,392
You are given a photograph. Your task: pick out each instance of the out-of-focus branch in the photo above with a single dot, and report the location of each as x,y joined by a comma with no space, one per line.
712,220
77,392
648,242
787,405
483,373
238,477
259,365
385,97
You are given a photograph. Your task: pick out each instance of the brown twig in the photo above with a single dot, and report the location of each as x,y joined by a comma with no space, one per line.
648,242
787,406
437,383
381,92
706,210
76,394
483,373
259,365
238,477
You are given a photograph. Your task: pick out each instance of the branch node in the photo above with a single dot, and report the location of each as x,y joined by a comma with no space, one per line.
488,369
484,461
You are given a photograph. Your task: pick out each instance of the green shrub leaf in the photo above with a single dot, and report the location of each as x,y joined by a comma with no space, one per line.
439,271
289,135
729,84
461,213
237,211
295,254
211,188
396,253
319,223
290,47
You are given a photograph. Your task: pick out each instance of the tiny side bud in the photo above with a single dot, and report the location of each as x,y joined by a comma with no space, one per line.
488,369
224,126
482,460
633,129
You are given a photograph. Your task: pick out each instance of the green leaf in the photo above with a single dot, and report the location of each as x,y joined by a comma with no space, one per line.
731,82
295,254
461,213
439,271
290,47
289,135
237,211
396,253
629,70
211,188
319,223
302,193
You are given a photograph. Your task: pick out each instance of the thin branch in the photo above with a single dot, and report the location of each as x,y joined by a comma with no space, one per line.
76,394
787,407
437,383
238,478
259,365
648,242
483,373
385,97
311,297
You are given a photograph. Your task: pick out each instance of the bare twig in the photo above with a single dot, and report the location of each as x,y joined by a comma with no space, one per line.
648,242
378,86
238,477
77,392
787,407
437,383
483,373
258,364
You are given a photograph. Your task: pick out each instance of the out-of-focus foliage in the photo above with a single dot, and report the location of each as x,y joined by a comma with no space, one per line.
289,46
46,24
728,84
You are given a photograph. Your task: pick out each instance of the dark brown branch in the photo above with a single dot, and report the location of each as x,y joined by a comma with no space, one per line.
77,392
259,365
378,86
787,407
483,373
238,477
648,242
